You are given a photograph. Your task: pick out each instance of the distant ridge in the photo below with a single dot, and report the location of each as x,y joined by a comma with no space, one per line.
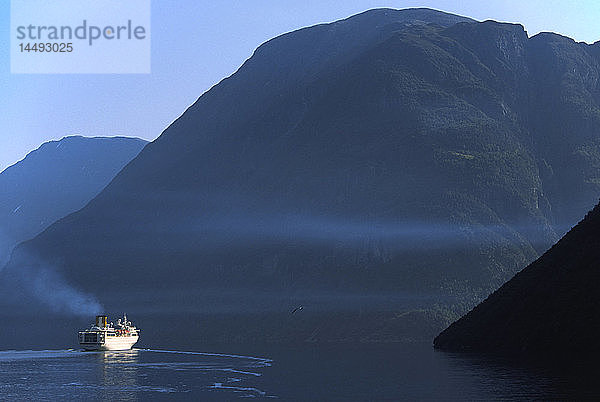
56,179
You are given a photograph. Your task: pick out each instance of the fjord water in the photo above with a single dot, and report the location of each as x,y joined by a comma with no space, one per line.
183,366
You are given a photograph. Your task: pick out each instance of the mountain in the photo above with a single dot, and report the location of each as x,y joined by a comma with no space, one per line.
56,179
550,306
393,150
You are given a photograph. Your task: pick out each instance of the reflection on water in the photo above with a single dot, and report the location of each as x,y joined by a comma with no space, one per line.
552,376
118,372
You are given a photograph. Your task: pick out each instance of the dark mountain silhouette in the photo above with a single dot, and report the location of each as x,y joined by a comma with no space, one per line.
56,179
549,306
392,150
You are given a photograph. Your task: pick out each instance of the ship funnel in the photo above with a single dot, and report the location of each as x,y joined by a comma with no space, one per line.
101,321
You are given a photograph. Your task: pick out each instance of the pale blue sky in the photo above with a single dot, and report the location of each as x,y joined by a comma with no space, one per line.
196,43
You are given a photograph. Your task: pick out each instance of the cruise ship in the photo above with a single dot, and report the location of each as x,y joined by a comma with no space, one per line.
108,336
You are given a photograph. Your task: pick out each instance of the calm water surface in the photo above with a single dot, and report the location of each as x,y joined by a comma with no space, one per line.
358,372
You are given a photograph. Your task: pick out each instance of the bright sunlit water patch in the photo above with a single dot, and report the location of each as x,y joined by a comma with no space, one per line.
138,374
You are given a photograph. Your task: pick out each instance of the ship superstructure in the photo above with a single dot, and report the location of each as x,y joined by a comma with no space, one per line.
108,336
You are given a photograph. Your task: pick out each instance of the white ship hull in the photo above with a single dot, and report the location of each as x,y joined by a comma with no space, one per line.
116,343
107,336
